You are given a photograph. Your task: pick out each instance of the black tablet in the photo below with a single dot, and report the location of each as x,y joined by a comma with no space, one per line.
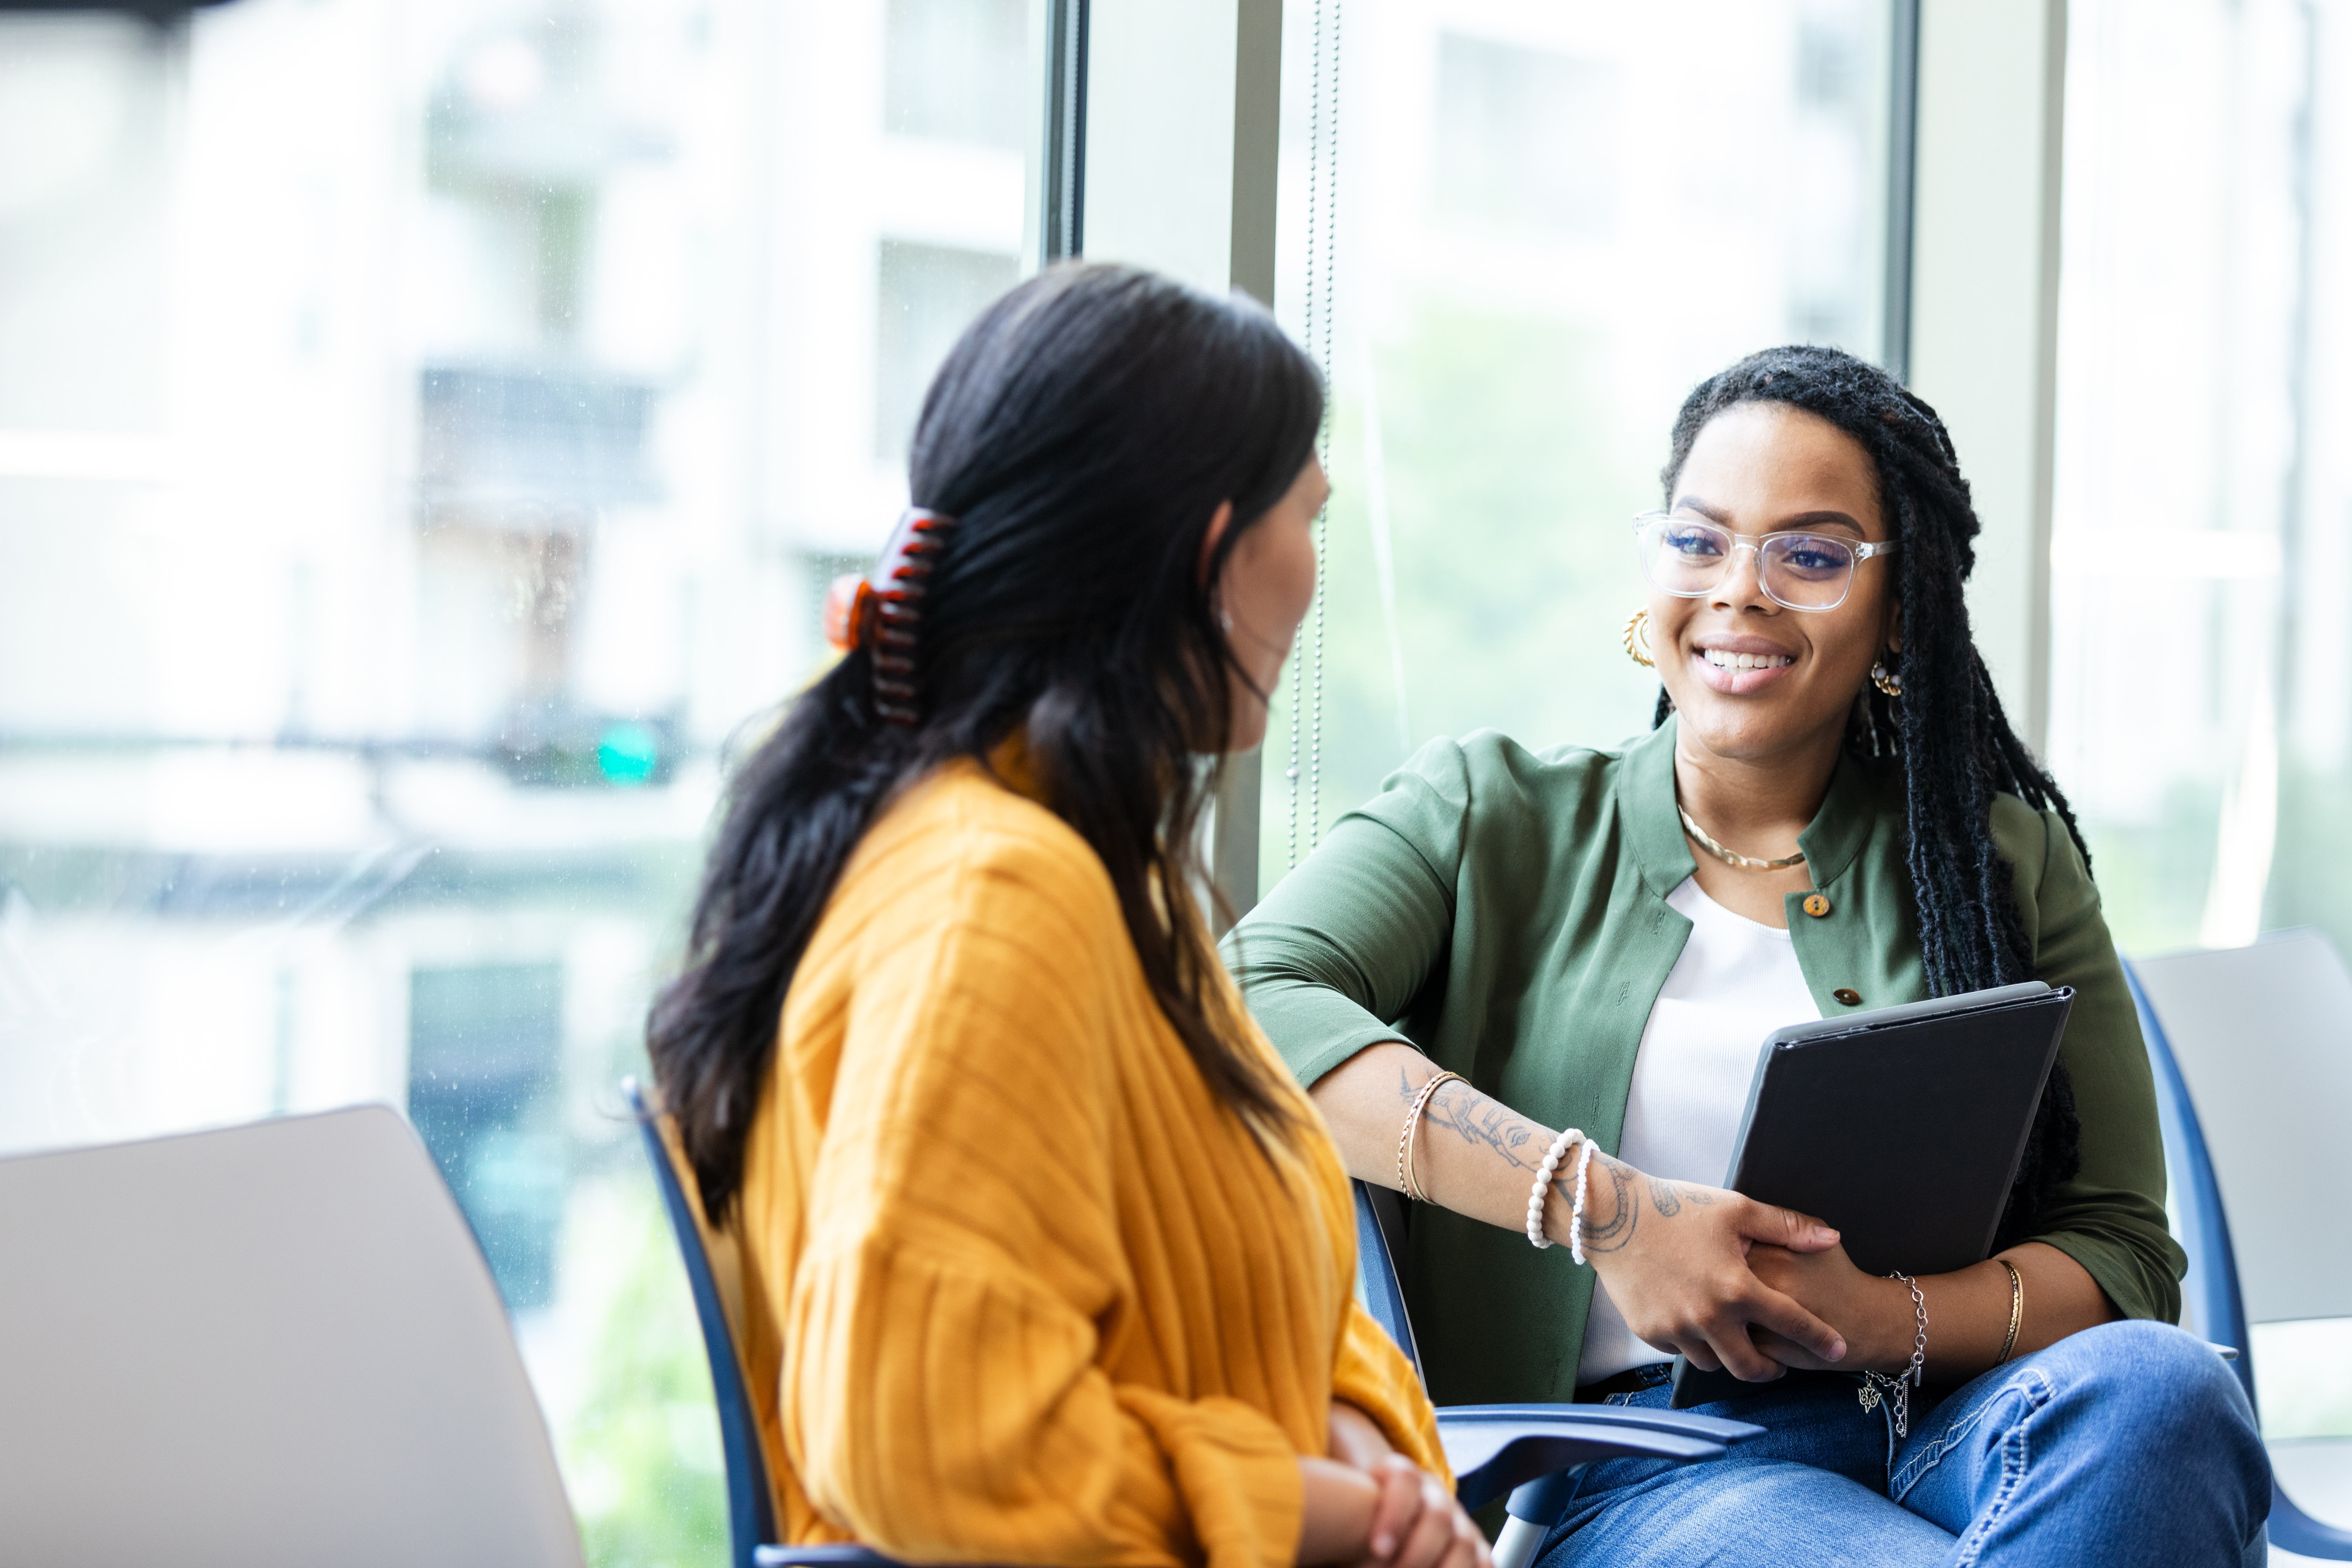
1903,1127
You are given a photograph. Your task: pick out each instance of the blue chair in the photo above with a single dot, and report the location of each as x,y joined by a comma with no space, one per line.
2261,1038
1529,1454
750,1516
1526,1453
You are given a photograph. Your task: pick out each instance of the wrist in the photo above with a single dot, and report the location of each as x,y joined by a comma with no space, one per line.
1893,1329
1602,1197
1336,1506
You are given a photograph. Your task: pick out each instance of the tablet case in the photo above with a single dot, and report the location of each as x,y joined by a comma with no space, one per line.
1903,1127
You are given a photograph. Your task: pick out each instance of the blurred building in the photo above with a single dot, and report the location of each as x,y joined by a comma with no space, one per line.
425,431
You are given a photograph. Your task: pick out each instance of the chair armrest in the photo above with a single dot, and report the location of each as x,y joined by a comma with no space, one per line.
843,1556
1494,1449
2291,1530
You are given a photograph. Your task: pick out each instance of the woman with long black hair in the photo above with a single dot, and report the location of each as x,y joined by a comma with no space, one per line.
1830,814
1045,1259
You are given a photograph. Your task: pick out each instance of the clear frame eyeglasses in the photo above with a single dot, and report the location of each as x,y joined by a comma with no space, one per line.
1687,556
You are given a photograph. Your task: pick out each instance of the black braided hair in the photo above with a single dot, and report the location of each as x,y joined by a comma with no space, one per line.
1948,732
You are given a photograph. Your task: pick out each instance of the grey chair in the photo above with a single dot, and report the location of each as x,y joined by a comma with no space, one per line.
1519,1452
276,1344
2252,1052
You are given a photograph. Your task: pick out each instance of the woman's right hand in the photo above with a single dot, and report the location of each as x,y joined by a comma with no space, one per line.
1393,1515
1675,1257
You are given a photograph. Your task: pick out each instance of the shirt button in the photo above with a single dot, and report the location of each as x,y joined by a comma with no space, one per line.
1816,905
1846,994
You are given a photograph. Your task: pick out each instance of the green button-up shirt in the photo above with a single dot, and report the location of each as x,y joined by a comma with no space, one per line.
1505,911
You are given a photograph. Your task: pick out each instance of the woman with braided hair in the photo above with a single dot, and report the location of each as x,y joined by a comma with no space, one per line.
1830,813
1045,1258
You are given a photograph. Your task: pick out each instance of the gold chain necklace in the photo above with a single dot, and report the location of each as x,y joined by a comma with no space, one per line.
1730,857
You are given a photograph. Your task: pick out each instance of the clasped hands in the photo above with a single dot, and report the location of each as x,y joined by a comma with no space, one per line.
1738,1285
1368,1506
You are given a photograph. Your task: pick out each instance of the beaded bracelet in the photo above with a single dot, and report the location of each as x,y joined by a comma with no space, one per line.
1576,1211
1542,1190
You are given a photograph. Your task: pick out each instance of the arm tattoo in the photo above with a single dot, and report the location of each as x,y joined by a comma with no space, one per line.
1670,1196
1620,1230
1479,1118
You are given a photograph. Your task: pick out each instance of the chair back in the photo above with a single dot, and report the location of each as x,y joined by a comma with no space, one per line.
276,1344
751,1517
2211,1304
1379,1215
2261,1039
2252,1050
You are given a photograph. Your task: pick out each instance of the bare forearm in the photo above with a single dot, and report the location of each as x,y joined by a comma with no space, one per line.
1671,1253
1475,1155
1968,1310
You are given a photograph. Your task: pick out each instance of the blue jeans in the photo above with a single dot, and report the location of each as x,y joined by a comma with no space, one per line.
2128,1443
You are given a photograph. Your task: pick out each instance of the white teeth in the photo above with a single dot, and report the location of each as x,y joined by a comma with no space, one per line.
1723,661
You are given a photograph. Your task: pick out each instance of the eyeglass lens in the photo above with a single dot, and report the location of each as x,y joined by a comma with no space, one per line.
1808,570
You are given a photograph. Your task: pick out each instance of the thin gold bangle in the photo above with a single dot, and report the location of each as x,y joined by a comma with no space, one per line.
2016,1308
1410,1136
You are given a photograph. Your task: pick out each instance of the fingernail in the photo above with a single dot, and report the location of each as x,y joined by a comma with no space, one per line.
1837,1350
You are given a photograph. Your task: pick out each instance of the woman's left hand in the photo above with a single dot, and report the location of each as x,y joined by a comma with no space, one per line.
1866,1309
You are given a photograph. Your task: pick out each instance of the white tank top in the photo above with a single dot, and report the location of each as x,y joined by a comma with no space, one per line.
1735,981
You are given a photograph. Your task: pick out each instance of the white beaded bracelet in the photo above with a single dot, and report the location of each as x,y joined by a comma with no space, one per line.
1542,1190
1576,1213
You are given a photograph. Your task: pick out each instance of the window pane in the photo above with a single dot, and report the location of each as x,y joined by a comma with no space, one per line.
1527,139
2200,712
425,435
1550,223
959,70
927,293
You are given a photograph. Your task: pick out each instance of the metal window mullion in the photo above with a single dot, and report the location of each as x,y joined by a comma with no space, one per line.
1257,151
1902,184
1062,207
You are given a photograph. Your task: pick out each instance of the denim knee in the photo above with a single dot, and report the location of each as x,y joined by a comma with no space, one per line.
2168,1385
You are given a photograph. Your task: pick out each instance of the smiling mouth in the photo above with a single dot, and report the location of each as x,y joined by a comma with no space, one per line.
1722,660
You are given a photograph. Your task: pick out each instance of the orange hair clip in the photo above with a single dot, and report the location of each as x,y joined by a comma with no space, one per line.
883,608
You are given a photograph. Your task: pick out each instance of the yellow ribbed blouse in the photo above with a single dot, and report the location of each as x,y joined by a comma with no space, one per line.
1016,1288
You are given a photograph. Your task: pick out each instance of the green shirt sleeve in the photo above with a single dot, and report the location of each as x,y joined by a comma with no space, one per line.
2110,1219
1334,955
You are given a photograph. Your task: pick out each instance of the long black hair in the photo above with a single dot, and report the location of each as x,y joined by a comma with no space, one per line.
1082,433
1948,732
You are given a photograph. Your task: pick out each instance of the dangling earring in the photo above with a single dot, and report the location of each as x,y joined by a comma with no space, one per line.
1886,680
1637,639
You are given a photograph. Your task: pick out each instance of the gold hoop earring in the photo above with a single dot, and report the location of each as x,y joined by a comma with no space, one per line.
1886,680
1637,639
